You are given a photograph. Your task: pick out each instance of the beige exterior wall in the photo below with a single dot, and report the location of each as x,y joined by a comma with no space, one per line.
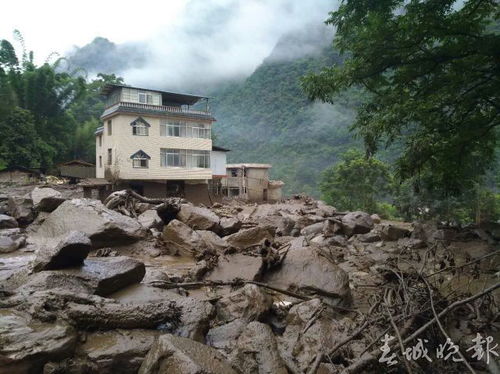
124,144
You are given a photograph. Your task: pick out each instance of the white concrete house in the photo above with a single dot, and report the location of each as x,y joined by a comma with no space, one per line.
155,142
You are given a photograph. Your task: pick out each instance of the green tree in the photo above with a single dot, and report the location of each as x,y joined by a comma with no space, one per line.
356,182
21,145
431,70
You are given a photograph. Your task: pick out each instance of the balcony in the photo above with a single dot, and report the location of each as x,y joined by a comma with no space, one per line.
124,106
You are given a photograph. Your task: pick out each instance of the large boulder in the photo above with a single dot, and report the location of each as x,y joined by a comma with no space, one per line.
150,219
225,336
71,250
173,354
393,232
105,227
21,208
7,222
7,244
251,237
26,345
357,223
229,226
306,270
117,351
249,303
212,240
182,239
257,351
46,199
198,218
101,276
236,265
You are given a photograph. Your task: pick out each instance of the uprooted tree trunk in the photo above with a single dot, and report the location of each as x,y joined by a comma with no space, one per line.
125,201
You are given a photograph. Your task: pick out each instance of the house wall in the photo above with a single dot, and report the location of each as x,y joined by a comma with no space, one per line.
131,95
218,162
124,144
257,181
275,194
16,176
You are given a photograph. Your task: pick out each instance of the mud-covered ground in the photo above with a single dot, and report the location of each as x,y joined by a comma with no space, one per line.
136,285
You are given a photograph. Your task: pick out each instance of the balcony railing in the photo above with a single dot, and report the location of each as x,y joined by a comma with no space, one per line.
157,108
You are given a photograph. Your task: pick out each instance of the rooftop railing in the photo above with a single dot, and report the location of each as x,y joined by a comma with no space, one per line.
157,108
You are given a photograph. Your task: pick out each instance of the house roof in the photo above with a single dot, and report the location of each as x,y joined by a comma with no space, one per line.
140,154
99,130
78,163
248,166
179,98
220,149
140,119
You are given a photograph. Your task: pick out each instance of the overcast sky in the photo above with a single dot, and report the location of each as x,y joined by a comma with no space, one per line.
230,37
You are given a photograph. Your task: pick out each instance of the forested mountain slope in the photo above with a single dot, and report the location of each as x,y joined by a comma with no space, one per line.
267,118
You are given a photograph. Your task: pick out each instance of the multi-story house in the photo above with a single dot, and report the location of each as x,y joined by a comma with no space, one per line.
155,141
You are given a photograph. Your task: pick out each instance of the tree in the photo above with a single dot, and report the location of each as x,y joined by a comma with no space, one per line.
431,69
20,145
356,182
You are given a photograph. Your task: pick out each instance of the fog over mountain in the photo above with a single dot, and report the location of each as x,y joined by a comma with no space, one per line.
212,40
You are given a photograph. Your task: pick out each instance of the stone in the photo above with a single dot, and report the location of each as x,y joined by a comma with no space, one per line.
21,208
312,230
46,199
325,210
357,223
173,354
225,336
27,345
105,227
235,266
198,218
100,276
229,225
392,232
331,228
7,222
336,240
7,244
182,239
370,237
257,351
117,351
71,250
306,270
150,219
249,303
411,243
213,241
251,237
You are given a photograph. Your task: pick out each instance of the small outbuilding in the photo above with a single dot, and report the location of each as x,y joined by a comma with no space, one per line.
19,175
77,169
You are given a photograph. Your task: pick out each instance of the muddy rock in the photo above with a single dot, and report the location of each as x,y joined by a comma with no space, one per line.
101,276
229,225
173,354
105,227
331,228
247,238
21,208
303,268
325,210
376,218
7,244
392,232
212,240
7,222
336,240
312,230
357,223
150,219
46,199
70,251
235,266
249,303
118,351
182,239
27,345
257,351
370,237
410,243
198,218
224,337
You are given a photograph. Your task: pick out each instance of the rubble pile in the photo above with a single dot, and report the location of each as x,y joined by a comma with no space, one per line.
138,285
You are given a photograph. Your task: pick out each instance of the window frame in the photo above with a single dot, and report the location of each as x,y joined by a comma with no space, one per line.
140,125
110,127
110,156
148,97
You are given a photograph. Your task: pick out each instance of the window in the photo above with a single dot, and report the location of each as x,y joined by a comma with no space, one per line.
185,158
110,128
140,129
234,172
185,130
100,140
100,161
110,156
145,98
140,159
